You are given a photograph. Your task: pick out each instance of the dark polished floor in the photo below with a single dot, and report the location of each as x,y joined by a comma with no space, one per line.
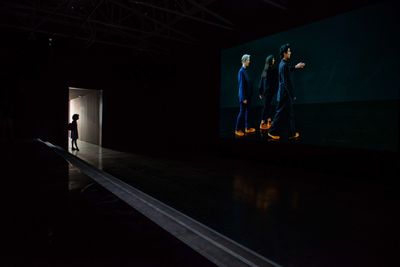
293,214
364,125
53,215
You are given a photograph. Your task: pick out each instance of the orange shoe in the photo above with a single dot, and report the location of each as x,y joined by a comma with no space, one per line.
295,136
250,130
269,124
274,137
239,133
263,126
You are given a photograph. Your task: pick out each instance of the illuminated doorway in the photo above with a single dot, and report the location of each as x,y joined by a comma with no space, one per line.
88,104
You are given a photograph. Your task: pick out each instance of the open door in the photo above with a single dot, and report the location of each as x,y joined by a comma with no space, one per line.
88,103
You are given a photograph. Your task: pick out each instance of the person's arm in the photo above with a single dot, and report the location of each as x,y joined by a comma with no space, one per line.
261,88
242,87
299,65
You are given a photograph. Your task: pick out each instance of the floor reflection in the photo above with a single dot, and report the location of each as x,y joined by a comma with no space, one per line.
261,196
295,216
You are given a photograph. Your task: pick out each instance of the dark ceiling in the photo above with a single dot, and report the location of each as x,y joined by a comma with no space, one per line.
159,26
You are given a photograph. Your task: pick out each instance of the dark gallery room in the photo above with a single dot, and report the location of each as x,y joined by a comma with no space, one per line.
200,133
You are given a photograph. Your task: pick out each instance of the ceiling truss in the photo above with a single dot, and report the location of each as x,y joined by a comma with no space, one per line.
141,25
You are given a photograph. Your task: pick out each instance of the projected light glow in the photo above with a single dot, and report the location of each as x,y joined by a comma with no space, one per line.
347,95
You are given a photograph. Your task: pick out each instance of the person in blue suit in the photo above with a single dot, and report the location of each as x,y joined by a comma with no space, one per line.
267,90
245,91
283,122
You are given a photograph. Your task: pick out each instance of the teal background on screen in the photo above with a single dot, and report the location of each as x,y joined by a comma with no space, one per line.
350,57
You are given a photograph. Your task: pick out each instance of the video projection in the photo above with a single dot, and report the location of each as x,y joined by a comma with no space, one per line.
346,95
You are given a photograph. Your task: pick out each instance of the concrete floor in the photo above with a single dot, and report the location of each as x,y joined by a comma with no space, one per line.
293,215
53,215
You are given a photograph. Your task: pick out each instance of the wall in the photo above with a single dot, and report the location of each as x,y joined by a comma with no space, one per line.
35,96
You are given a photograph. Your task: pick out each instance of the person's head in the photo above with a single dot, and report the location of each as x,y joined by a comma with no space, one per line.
270,61
246,60
75,117
269,64
285,51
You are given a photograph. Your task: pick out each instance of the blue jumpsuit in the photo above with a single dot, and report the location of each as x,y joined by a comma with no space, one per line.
283,121
267,88
245,90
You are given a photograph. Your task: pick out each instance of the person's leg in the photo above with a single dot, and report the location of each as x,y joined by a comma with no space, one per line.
264,112
246,115
268,104
239,121
268,107
280,119
76,145
247,129
292,129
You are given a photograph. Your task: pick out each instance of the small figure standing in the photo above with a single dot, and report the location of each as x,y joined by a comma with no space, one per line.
74,131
